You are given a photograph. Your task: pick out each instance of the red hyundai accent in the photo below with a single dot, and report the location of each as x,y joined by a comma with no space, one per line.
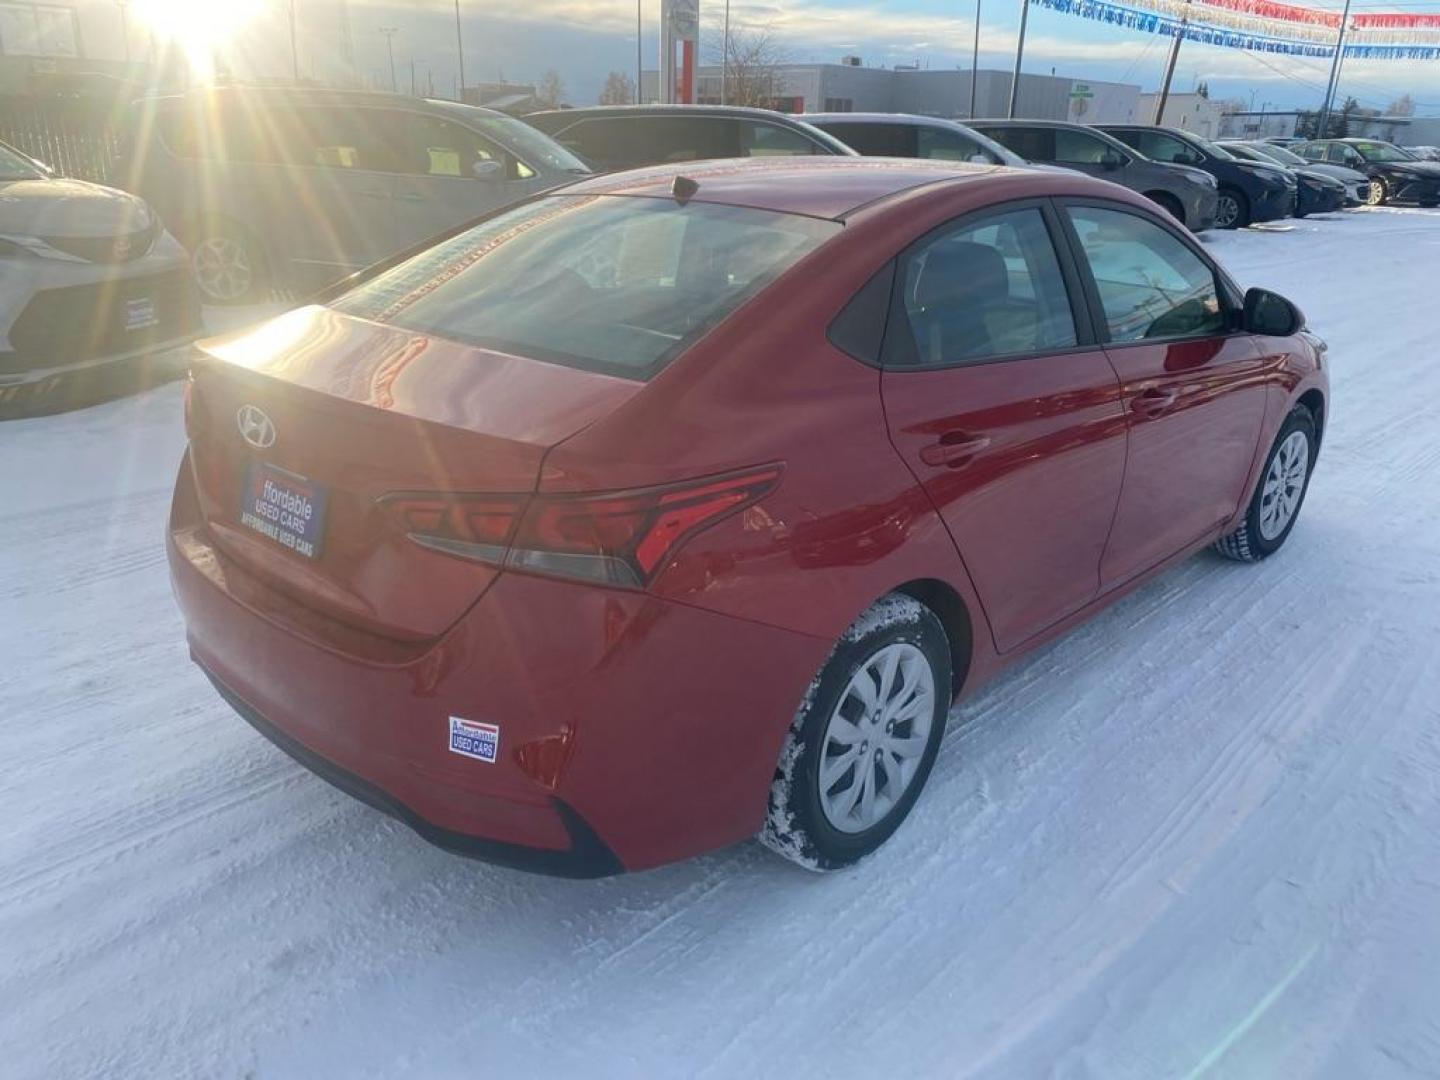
677,506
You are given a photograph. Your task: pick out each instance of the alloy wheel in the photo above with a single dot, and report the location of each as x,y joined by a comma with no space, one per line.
876,738
1284,485
1376,194
1227,212
222,268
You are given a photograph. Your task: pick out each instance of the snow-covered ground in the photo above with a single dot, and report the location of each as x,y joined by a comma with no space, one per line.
1198,837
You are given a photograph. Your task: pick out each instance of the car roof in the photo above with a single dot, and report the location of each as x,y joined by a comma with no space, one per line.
742,111
881,118
815,186
315,95
991,121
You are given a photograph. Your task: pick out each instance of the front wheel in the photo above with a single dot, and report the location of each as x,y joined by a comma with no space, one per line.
228,266
1276,503
1378,194
1232,211
862,743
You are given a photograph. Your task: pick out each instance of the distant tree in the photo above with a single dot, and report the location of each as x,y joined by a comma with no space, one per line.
752,68
619,89
1348,112
1404,105
550,92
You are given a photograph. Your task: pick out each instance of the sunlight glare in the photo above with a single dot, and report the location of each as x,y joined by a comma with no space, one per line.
200,30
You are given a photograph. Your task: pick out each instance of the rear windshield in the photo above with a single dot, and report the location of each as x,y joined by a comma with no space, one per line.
614,284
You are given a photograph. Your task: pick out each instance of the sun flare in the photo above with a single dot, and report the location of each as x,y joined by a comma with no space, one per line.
201,31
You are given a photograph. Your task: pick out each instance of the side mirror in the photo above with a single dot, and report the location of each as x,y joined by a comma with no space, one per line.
1111,161
981,159
1270,314
486,169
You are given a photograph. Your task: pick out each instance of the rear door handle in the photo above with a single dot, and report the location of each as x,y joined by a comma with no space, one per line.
410,196
954,449
1155,401
374,193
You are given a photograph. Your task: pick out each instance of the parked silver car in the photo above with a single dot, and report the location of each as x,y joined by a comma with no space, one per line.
294,188
88,277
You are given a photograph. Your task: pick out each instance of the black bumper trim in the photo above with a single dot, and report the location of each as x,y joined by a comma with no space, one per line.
587,856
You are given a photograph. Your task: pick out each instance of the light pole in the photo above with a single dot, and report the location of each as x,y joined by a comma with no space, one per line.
1019,55
294,46
725,60
414,87
639,54
1333,84
460,51
389,33
975,60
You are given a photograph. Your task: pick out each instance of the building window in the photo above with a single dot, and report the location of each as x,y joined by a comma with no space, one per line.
38,30
839,104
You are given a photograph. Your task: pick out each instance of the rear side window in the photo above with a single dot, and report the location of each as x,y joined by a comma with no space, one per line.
622,142
1158,146
1151,285
1078,148
611,284
1032,144
772,140
983,290
942,144
876,140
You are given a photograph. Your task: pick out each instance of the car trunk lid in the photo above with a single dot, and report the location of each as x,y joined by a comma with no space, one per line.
322,410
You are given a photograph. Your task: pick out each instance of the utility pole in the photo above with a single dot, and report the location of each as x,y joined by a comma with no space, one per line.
460,52
1164,95
294,46
389,33
1333,84
975,61
639,54
1019,55
725,60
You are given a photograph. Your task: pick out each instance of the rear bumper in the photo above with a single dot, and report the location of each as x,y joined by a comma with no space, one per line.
633,731
586,857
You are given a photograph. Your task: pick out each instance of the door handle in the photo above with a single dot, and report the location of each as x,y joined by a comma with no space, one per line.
954,449
410,196
1154,401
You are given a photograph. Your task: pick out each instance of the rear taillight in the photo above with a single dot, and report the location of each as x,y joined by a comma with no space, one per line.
624,538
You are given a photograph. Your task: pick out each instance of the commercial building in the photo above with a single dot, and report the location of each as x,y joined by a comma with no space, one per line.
1402,130
851,87
1188,112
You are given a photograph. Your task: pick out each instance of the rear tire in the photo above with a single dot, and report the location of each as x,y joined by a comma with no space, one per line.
1275,506
1169,204
1232,211
872,737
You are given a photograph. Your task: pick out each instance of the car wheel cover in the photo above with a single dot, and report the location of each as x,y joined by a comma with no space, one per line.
222,268
1376,195
1227,211
876,738
1284,484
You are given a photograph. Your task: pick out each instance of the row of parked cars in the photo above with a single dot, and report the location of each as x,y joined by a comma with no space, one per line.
238,192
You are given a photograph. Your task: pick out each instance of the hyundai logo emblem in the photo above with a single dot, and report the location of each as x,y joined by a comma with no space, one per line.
256,428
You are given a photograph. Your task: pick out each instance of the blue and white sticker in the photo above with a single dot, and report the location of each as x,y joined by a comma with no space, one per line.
474,739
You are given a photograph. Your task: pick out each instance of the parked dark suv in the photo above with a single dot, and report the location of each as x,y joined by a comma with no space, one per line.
1249,191
1396,175
1188,194
294,188
616,137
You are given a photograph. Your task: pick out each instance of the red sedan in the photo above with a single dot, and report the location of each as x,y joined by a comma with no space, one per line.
677,507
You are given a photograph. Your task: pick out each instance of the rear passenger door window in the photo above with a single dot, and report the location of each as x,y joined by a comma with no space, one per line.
1150,284
772,140
877,140
1158,146
942,144
431,146
1079,148
1032,144
986,289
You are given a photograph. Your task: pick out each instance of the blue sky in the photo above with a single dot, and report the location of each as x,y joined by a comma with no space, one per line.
584,39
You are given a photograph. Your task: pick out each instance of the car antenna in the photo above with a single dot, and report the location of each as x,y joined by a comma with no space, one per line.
683,188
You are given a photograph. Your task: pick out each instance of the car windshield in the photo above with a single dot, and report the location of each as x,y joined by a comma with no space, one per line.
16,166
528,143
614,284
1279,153
1379,151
